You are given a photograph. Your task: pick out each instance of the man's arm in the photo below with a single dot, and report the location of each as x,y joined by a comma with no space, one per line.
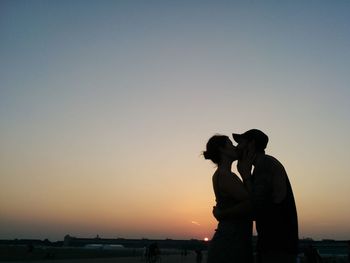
261,190
279,183
244,167
240,210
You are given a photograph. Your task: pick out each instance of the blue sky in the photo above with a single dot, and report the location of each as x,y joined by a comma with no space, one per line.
110,96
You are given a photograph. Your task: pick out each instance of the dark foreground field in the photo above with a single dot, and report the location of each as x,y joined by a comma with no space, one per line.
20,254
164,259
77,255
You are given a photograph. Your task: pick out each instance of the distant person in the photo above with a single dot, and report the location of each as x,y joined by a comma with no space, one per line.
183,252
232,241
273,201
311,255
199,255
153,253
30,248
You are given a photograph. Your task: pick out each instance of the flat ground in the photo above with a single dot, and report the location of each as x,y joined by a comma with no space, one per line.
191,258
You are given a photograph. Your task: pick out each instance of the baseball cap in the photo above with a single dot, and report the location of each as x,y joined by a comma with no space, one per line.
260,138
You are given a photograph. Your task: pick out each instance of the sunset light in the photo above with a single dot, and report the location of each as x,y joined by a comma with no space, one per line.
107,106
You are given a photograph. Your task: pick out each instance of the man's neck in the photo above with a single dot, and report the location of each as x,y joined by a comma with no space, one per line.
258,157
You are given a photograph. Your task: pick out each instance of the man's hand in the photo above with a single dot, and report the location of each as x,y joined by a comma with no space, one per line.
244,166
217,213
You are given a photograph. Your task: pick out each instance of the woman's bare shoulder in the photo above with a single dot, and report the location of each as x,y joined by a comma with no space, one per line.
232,185
232,180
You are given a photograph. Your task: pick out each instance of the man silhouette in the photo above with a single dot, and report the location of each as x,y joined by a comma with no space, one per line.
272,198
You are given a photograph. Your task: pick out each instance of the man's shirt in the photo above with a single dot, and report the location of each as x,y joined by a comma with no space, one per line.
274,206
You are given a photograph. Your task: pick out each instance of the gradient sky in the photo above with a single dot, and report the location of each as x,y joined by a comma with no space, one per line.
106,106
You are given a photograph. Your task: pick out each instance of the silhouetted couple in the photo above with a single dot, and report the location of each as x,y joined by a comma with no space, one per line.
265,196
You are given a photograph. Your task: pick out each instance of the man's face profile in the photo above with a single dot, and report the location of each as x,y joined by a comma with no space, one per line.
241,147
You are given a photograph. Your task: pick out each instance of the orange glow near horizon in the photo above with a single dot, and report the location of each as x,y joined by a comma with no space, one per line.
103,122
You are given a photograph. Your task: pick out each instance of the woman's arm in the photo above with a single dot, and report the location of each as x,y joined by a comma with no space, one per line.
245,207
231,186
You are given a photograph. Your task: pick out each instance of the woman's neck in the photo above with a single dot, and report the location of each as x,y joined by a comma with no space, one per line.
225,165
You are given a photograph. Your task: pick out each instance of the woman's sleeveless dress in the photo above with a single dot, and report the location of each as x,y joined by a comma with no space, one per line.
232,240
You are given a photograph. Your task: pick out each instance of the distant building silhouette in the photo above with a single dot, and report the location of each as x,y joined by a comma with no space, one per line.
70,241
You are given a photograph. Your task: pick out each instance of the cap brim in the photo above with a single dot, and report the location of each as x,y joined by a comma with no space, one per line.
237,137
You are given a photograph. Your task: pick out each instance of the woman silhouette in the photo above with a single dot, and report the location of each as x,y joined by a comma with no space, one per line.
232,241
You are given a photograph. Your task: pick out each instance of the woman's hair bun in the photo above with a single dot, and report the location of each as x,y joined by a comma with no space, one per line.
207,155
213,147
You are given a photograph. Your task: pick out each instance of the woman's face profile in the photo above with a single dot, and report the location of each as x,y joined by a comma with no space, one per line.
230,150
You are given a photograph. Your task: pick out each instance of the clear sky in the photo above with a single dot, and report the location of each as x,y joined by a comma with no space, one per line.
106,106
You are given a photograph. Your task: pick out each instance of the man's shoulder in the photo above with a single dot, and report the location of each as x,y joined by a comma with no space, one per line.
269,159
265,161
269,163
274,164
